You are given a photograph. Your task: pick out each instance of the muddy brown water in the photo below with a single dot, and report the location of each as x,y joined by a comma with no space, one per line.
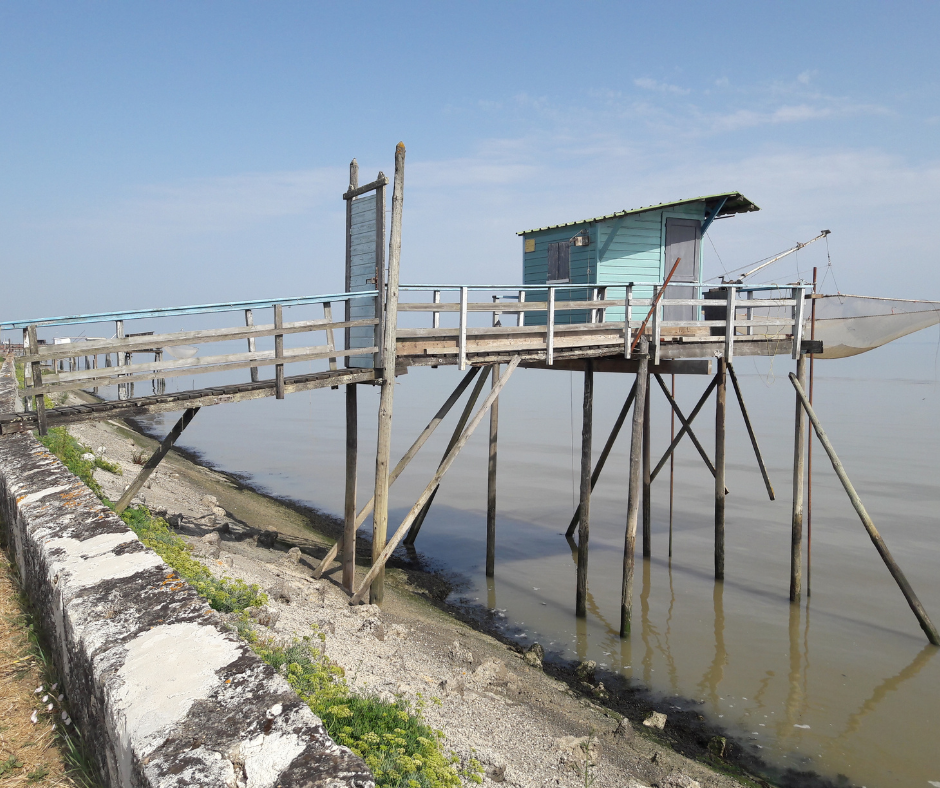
843,683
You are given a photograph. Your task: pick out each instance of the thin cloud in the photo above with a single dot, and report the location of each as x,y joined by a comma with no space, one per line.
662,87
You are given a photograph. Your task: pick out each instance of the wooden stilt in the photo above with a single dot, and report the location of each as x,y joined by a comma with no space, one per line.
279,351
379,562
376,583
491,484
151,465
40,400
720,410
402,464
647,480
796,523
250,321
602,460
918,609
633,500
809,454
750,432
119,357
349,509
461,422
672,462
585,505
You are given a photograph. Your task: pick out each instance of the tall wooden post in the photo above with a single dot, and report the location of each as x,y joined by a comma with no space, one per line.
647,481
40,401
349,510
491,484
384,440
278,352
585,505
720,411
672,463
250,321
796,528
119,357
633,501
353,184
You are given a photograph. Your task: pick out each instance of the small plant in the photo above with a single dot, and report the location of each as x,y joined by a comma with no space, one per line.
7,766
138,458
587,746
37,774
70,451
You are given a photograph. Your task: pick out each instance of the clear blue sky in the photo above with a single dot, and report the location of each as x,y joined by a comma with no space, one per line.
165,153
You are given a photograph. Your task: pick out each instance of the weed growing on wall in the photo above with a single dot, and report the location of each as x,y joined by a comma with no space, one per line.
70,451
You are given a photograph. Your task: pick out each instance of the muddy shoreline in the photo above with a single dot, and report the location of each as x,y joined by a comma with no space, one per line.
688,733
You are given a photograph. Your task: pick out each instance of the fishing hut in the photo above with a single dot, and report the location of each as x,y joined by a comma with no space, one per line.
619,294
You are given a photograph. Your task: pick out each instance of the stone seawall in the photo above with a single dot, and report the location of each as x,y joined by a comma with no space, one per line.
163,694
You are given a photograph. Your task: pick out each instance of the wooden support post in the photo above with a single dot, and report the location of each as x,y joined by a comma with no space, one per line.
39,401
461,422
436,316
462,340
585,504
602,460
279,351
550,327
349,509
119,357
627,317
353,184
250,321
720,412
151,465
379,562
633,499
491,483
672,460
378,361
402,464
796,524
386,398
798,300
750,432
918,609
729,323
655,329
330,339
647,480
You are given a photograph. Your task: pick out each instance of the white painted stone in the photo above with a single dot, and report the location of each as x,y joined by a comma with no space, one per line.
91,561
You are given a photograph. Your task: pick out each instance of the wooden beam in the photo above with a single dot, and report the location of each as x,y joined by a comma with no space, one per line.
458,429
720,411
750,432
918,609
279,351
633,499
602,460
349,504
151,465
379,563
402,464
386,398
39,403
491,484
330,340
617,364
796,520
585,502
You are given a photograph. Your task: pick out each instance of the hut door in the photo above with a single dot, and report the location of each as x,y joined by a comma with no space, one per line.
682,240
362,275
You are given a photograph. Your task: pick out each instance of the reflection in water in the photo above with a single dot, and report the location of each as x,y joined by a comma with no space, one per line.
491,593
716,671
670,661
888,685
794,705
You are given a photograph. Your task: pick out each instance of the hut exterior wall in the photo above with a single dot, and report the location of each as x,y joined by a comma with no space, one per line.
582,266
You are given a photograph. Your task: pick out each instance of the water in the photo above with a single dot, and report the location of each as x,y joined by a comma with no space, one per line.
842,684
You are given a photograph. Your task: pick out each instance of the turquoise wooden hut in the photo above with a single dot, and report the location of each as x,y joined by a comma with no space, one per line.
638,245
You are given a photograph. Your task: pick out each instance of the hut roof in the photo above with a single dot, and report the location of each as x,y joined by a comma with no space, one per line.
734,202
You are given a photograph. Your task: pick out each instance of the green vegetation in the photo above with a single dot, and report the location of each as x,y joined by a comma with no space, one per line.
391,737
70,451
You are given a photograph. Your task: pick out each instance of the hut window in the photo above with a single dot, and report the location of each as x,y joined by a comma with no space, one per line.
558,262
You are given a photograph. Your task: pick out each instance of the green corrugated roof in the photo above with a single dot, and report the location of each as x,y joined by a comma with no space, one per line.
735,203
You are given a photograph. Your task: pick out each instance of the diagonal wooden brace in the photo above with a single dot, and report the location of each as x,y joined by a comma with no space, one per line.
686,428
433,484
750,432
151,465
604,455
461,423
402,464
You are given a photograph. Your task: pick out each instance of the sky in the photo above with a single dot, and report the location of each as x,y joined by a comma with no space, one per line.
156,154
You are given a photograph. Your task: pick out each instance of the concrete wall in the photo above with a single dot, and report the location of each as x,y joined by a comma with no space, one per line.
164,695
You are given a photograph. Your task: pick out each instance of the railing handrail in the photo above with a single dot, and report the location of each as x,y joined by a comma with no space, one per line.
172,311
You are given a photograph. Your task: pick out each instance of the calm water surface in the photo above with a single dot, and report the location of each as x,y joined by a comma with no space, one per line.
843,683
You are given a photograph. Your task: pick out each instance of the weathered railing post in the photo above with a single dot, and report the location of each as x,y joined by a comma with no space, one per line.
279,351
40,402
250,321
462,339
550,327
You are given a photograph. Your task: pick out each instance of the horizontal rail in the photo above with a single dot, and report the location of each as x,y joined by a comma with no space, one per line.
541,306
581,285
171,311
119,378
142,343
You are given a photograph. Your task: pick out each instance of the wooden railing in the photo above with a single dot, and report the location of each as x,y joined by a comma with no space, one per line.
636,312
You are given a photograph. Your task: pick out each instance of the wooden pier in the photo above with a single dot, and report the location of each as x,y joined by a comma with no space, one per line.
492,332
